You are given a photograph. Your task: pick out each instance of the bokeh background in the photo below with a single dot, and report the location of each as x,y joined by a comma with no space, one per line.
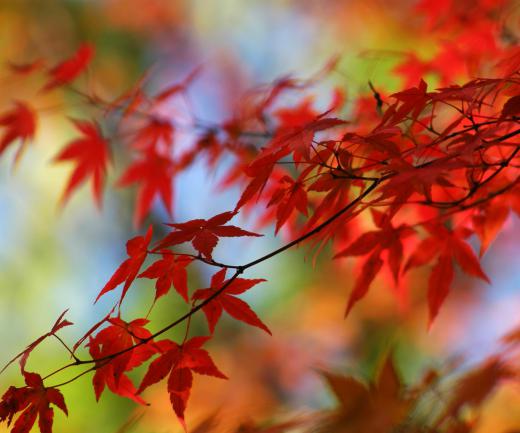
52,259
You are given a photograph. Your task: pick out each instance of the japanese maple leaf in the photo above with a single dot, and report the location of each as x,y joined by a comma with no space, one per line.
409,179
115,338
34,401
137,249
91,154
260,171
413,101
387,238
169,271
300,115
69,69
447,246
474,387
289,196
203,234
20,124
298,139
228,302
489,219
380,407
153,134
179,361
153,173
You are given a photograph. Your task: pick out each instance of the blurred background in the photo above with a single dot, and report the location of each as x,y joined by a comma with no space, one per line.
53,259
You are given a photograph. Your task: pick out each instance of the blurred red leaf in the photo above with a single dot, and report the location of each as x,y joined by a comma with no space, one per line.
20,123
91,155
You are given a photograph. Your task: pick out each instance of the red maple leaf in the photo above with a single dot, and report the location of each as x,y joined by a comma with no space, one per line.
34,400
20,123
179,361
154,174
91,155
203,234
387,238
154,133
226,301
446,246
115,338
413,101
137,249
169,271
290,195
298,139
67,71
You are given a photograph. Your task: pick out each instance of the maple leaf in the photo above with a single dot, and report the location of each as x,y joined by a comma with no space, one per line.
297,116
387,238
67,71
338,190
203,234
260,170
439,284
489,220
153,173
169,271
447,246
380,407
179,361
289,196
91,155
226,301
475,386
298,139
409,179
156,132
413,101
137,249
118,337
20,123
34,400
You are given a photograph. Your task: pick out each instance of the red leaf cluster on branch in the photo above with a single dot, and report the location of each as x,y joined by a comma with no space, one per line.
434,167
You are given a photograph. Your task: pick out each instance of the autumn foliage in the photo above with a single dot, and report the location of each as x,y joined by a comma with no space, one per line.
428,169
